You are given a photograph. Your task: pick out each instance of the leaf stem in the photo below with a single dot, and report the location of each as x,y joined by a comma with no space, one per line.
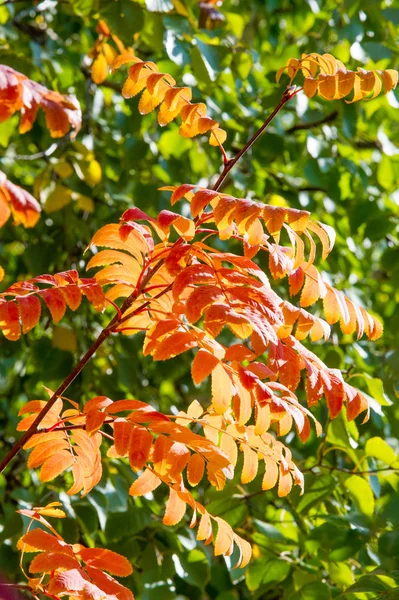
287,95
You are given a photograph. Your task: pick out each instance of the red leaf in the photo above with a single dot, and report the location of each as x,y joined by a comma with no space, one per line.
30,309
9,320
55,302
191,275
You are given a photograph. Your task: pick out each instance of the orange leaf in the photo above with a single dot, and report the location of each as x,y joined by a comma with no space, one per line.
29,309
20,93
195,469
179,456
203,365
245,551
43,451
107,584
38,540
50,561
55,465
205,528
146,483
175,509
250,467
55,303
271,474
193,274
139,448
224,538
313,289
123,430
284,483
274,218
176,343
101,558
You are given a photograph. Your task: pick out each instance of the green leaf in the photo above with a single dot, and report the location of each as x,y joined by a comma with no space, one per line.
215,58
120,525
261,572
276,571
388,544
200,69
321,488
313,591
125,18
360,492
386,174
83,7
378,448
7,128
375,388
367,583
177,50
272,532
341,574
196,568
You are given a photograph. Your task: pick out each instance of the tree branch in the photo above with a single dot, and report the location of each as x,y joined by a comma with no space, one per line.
105,333
121,317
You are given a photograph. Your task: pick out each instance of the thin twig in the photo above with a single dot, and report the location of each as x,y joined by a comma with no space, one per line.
304,126
352,471
44,153
287,95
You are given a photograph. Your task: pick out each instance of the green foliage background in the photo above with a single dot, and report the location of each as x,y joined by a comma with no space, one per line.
339,161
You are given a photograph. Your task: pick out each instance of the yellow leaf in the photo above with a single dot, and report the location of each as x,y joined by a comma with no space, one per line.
99,69
91,172
57,199
65,339
84,202
63,169
222,389
180,8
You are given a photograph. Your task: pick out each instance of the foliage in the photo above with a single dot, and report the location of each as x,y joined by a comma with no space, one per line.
200,279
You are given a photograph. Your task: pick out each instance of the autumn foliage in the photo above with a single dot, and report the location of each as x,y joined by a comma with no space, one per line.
167,277
18,202
329,78
19,93
160,90
61,569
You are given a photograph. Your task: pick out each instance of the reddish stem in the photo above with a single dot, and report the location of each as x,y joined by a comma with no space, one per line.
287,95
